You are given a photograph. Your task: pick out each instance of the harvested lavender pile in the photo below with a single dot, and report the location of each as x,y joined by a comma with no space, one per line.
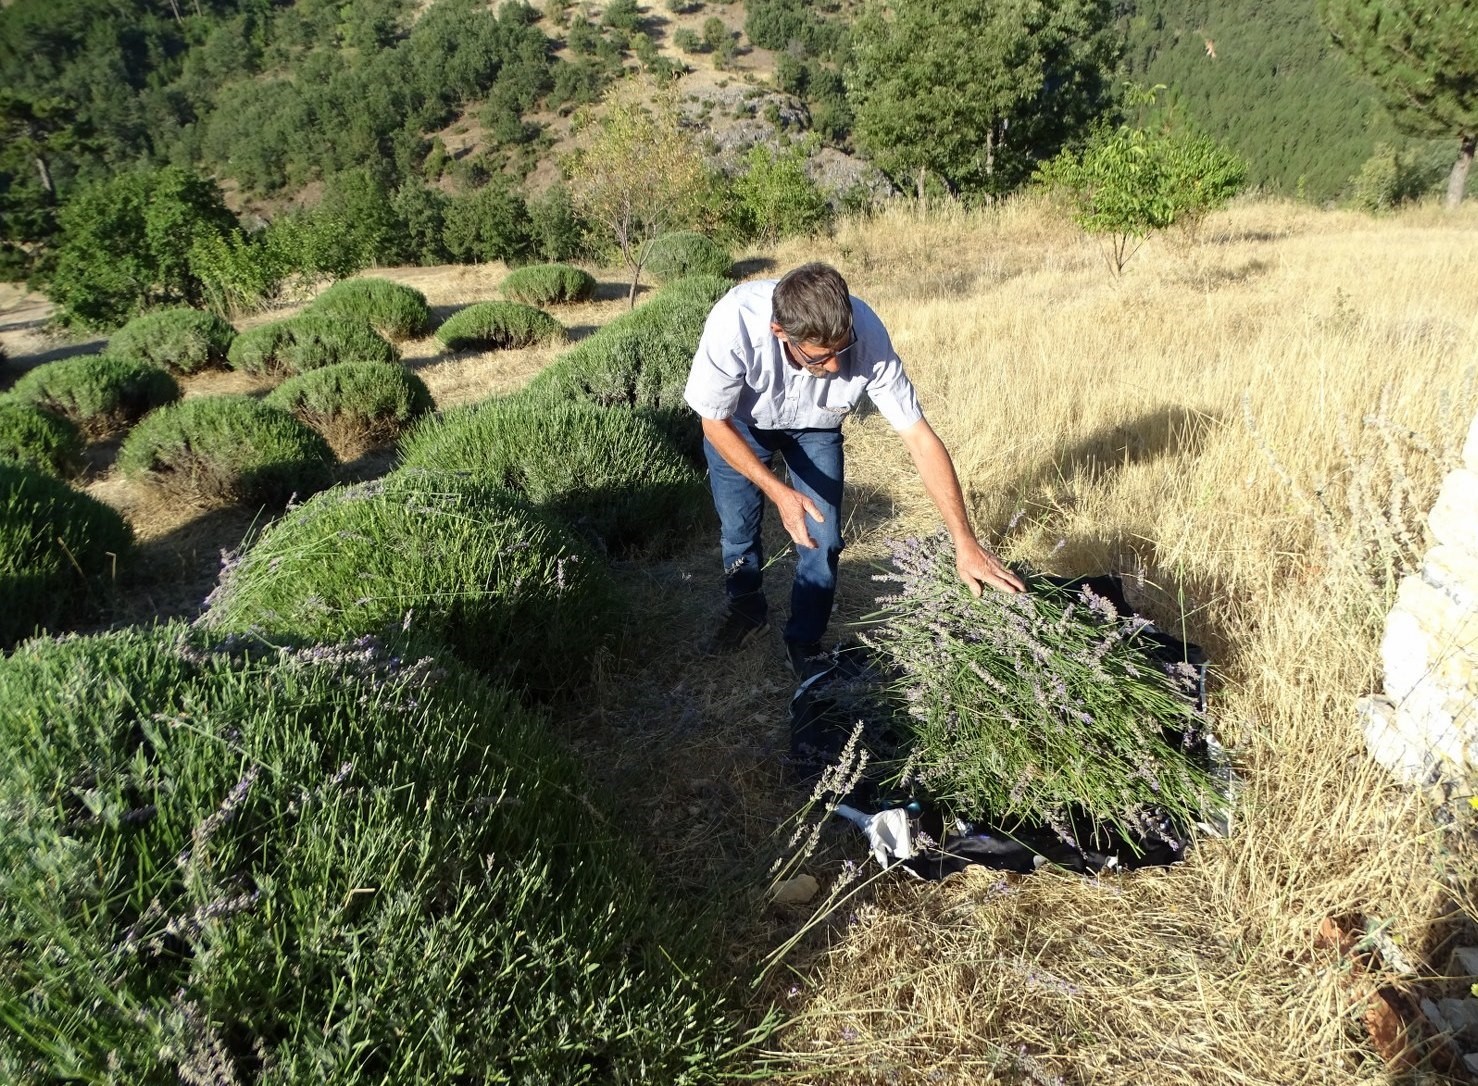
1038,706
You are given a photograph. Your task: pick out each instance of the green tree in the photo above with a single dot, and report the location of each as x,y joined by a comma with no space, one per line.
489,223
776,197
976,92
126,245
638,176
1133,180
1423,57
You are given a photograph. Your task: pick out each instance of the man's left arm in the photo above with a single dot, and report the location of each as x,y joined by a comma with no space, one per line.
976,566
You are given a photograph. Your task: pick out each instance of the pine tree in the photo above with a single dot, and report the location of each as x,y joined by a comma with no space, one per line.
1423,57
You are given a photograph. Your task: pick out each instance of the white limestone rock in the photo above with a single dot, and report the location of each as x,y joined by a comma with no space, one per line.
1389,746
1429,639
1454,518
1453,571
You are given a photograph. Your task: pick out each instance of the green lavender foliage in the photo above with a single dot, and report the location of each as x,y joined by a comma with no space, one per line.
548,284
366,401
59,550
1034,704
494,326
309,341
181,340
220,450
683,253
330,863
102,394
449,556
640,360
393,310
38,439
612,476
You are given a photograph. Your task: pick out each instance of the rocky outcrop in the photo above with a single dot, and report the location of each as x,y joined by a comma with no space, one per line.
1424,727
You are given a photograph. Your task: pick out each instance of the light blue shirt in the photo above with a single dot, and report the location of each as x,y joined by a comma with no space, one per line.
741,370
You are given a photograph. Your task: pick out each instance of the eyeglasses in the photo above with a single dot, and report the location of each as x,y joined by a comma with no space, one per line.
819,361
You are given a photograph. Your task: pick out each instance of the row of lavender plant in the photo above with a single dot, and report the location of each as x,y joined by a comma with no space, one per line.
1036,705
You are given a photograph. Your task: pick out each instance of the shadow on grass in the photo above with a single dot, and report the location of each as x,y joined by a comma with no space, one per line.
1168,431
744,269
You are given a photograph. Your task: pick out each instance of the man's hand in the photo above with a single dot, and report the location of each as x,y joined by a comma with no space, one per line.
794,508
977,567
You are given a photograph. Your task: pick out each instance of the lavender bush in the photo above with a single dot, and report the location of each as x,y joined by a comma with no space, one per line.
1035,705
347,863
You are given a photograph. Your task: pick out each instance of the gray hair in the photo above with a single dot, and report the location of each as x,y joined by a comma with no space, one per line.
812,305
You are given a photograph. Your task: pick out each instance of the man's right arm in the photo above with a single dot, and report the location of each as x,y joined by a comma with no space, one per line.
792,505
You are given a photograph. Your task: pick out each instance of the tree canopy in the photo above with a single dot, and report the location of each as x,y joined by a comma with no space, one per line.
976,92
1423,57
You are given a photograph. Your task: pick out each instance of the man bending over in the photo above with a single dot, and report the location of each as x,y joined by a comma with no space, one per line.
780,366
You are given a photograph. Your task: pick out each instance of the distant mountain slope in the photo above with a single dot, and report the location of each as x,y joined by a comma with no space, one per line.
1262,76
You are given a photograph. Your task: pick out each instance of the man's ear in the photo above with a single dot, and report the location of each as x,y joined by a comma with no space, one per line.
776,330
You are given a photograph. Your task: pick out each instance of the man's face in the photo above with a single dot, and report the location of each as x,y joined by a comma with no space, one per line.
817,359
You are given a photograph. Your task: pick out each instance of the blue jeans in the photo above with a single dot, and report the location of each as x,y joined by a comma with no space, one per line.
813,459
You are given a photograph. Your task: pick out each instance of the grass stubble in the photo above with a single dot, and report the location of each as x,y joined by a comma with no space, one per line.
1227,424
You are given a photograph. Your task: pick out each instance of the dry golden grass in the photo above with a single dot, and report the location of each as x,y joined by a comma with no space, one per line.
1230,418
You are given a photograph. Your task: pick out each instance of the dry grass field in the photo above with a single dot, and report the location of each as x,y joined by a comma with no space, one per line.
1252,420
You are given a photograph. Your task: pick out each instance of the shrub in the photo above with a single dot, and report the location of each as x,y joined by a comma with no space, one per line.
102,394
611,475
1129,182
641,360
179,340
492,326
392,310
548,284
38,439
346,863
684,252
776,197
309,342
58,551
226,449
354,402
462,561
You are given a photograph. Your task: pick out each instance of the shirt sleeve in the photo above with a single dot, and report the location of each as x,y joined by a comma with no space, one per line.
889,388
717,374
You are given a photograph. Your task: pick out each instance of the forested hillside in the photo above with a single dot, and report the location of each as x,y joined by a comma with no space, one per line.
1263,76
392,131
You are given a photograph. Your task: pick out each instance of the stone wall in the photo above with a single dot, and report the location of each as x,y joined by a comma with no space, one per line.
1424,727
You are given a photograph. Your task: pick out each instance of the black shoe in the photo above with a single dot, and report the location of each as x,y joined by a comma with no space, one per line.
733,633
806,658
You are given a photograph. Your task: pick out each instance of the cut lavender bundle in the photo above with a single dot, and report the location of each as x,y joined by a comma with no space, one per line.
1035,706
